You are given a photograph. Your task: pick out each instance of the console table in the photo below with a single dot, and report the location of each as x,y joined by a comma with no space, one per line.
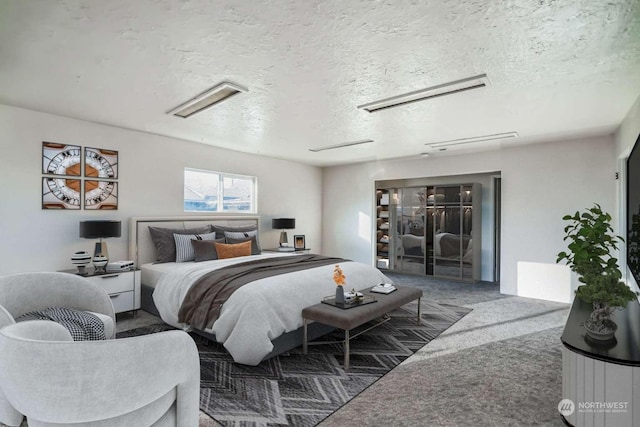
602,380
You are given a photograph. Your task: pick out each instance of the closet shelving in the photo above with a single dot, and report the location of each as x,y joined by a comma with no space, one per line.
382,229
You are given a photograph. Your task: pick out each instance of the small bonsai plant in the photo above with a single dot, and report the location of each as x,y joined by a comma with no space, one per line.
591,244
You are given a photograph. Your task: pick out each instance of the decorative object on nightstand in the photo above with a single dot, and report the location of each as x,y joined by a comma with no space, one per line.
100,230
118,266
100,263
81,259
283,224
299,242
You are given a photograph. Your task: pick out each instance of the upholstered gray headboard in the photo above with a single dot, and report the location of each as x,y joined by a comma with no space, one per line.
141,249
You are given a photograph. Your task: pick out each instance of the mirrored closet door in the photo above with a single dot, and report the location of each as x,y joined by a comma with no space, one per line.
411,227
432,229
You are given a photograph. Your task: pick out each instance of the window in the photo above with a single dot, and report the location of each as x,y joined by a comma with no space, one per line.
206,191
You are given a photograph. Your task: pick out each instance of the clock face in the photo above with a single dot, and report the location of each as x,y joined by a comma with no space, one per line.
100,163
101,195
60,193
65,185
61,159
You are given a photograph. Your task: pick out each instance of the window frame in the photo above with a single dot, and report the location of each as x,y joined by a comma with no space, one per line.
253,199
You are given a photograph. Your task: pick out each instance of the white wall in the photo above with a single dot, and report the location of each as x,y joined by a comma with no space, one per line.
150,184
540,184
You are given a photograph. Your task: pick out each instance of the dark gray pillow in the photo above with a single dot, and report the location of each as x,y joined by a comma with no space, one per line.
165,244
243,233
255,248
220,229
205,250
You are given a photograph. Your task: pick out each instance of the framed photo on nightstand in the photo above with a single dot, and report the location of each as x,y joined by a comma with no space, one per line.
298,241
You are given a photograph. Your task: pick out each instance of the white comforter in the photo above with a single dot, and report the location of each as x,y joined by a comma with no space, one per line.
262,310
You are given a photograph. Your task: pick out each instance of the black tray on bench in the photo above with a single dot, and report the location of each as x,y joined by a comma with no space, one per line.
366,299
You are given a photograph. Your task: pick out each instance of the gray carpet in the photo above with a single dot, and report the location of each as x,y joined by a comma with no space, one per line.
448,291
516,382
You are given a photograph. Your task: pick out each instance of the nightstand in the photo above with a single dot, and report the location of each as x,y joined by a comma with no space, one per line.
123,287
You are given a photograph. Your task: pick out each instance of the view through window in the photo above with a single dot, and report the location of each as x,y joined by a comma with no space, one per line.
207,191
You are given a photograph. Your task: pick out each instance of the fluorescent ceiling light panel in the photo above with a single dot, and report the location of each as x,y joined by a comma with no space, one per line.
216,94
450,88
344,144
472,140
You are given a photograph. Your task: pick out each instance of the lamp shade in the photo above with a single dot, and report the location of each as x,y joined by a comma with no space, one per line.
99,229
283,223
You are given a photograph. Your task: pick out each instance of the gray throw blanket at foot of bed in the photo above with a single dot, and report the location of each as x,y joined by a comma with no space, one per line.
81,325
202,304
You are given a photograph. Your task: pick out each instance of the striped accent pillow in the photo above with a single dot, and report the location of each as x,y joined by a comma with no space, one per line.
184,249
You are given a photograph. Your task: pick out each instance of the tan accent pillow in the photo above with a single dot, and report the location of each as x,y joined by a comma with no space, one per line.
233,250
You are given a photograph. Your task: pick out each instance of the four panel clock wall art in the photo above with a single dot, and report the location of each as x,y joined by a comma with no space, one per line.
79,177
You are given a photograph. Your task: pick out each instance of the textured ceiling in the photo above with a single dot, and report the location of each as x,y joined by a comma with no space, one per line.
557,68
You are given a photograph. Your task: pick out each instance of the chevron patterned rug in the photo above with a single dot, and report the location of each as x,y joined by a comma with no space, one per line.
301,390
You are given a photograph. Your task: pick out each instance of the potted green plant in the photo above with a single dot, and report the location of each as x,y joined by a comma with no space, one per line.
591,248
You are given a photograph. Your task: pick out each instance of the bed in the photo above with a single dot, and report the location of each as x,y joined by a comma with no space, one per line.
260,319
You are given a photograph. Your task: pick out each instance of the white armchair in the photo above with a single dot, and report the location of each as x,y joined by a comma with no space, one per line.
22,293
149,380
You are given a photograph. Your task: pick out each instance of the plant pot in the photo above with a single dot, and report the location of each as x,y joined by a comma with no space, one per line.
340,294
600,331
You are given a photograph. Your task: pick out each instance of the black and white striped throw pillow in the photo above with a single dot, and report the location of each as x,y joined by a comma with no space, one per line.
184,249
82,325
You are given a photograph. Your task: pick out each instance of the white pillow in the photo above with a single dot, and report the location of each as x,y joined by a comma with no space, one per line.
184,248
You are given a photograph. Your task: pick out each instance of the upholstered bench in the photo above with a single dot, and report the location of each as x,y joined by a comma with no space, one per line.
348,319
